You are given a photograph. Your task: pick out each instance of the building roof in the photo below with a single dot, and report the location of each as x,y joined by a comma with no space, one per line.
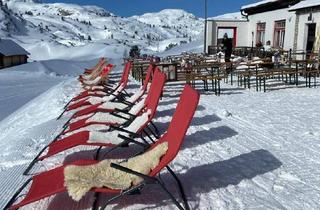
10,48
236,16
305,4
267,5
260,3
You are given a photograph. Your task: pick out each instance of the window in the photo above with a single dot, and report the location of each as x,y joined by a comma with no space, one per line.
261,33
279,33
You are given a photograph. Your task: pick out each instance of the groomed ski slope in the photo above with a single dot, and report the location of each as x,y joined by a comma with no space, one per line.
244,150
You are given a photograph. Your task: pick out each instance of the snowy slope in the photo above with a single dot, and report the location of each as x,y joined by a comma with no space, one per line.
192,47
62,26
19,85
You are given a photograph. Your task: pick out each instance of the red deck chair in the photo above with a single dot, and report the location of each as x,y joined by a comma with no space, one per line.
153,95
81,138
117,88
103,73
52,182
100,79
94,70
89,71
124,76
130,101
120,87
86,94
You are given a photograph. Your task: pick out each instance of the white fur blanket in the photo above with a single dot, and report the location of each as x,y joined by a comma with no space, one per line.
96,100
105,117
97,92
112,137
136,96
113,105
89,128
88,97
81,117
93,87
86,77
135,109
115,93
80,179
80,108
92,82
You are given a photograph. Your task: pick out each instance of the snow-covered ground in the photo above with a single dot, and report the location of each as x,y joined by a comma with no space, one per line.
244,150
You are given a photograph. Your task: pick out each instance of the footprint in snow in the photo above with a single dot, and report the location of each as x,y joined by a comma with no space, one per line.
311,133
224,113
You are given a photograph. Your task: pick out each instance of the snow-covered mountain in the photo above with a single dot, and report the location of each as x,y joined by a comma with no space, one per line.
59,26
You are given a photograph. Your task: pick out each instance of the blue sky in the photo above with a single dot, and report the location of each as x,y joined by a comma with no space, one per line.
137,7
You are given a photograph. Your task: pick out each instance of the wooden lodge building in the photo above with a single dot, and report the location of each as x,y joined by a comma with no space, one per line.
12,54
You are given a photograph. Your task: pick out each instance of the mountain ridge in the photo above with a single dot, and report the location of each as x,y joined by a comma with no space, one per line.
70,25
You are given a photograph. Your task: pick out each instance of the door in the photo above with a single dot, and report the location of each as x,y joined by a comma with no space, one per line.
230,31
311,37
1,61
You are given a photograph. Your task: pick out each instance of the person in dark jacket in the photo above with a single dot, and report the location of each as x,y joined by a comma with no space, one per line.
227,47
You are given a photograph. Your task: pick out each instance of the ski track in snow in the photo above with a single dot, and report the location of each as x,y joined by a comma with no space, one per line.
244,150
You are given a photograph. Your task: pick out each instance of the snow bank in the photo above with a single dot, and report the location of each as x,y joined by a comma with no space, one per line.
20,84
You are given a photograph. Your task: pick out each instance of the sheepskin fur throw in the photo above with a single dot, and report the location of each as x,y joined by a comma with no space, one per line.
97,92
139,121
80,179
112,105
105,117
86,77
112,137
89,128
92,82
96,100
115,94
136,96
81,117
80,108
93,87
138,107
